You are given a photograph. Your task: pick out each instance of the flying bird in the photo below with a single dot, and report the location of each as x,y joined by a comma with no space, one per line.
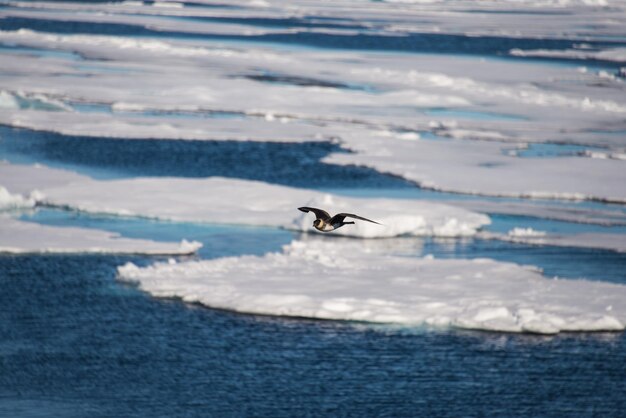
323,221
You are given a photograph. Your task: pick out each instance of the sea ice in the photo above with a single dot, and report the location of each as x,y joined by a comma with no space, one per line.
526,232
221,200
26,179
609,54
26,237
606,216
481,168
338,279
394,102
10,201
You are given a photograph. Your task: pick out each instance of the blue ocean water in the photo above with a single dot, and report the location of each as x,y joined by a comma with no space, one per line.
290,164
77,343
74,342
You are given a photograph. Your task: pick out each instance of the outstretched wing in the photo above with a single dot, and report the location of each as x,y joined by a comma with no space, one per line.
319,213
341,216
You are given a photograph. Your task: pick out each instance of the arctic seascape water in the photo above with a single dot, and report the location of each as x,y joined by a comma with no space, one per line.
76,343
153,155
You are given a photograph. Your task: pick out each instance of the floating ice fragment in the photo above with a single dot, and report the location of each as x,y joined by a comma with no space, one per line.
10,201
26,237
194,200
525,232
337,279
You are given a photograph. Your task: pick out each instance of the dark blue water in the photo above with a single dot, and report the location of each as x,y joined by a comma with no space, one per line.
76,343
294,164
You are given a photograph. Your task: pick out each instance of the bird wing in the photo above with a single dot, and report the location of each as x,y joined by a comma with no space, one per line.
319,213
341,216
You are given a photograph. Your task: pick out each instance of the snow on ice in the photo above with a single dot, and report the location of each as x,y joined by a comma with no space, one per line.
368,102
335,279
26,237
221,200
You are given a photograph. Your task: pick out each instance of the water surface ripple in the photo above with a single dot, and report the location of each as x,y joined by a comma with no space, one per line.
75,343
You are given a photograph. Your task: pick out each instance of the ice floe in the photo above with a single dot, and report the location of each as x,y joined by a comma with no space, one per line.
332,279
503,18
605,216
395,90
14,201
481,168
21,100
25,180
482,99
610,54
525,232
231,201
376,104
25,237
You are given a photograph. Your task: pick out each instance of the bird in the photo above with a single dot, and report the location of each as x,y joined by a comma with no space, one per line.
323,221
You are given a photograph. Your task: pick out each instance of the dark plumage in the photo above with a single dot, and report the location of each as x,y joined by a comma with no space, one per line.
325,223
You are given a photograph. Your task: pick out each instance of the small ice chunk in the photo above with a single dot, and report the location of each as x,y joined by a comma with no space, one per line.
525,232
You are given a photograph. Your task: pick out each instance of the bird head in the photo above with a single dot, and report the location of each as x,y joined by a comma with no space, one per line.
316,223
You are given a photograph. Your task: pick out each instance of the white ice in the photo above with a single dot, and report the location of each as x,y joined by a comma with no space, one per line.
335,279
9,201
482,168
381,120
26,180
532,18
221,200
606,216
19,190
526,232
231,201
26,237
608,54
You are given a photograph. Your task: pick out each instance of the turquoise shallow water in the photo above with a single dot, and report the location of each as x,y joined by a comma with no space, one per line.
234,240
